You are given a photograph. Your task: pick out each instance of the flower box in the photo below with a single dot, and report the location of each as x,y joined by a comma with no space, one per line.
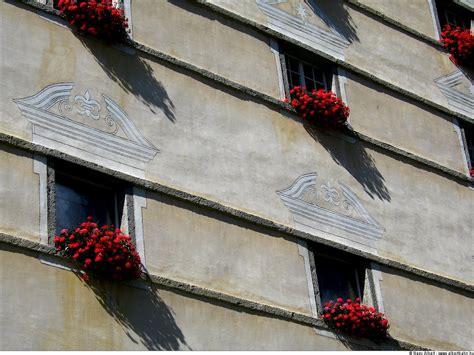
104,252
323,108
354,318
98,18
459,44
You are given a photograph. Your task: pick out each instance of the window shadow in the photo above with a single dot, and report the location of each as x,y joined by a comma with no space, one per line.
356,160
134,75
335,15
144,316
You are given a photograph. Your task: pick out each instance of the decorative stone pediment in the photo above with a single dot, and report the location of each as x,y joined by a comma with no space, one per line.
295,19
330,207
64,117
459,91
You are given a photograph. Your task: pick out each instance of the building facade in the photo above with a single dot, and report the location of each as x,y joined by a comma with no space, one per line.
247,218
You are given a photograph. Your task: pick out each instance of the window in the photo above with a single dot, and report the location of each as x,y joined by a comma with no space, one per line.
300,73
310,72
467,130
337,274
450,13
78,192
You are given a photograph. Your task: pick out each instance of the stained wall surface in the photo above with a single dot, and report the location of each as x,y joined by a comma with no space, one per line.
55,302
416,15
200,137
373,46
19,194
256,150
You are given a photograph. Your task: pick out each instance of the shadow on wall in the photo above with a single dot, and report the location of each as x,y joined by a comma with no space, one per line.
357,161
335,15
134,75
146,319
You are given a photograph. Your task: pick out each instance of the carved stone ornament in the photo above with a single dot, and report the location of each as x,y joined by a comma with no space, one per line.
98,127
299,26
332,209
459,91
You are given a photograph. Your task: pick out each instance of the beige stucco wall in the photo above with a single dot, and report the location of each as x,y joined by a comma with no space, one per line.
48,308
432,316
388,117
191,33
415,14
19,194
202,247
381,50
255,150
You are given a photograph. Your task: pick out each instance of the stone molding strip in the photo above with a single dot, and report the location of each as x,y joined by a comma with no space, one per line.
391,22
235,213
276,103
248,305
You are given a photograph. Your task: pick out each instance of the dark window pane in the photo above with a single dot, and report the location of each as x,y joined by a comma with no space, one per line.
75,200
293,64
318,76
337,279
294,79
308,70
321,86
310,84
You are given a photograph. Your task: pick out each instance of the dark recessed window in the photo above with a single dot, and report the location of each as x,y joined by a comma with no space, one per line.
468,137
338,274
301,73
302,68
80,193
450,13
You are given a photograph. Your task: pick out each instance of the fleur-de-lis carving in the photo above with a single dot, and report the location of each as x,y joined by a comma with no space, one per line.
87,106
330,194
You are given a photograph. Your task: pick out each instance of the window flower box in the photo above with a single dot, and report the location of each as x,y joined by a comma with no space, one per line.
459,44
98,18
320,107
354,318
104,252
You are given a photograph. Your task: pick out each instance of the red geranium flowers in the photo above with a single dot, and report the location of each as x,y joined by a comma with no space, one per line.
355,318
321,107
459,44
98,18
106,251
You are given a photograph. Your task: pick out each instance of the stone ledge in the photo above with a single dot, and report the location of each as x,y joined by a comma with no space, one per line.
201,292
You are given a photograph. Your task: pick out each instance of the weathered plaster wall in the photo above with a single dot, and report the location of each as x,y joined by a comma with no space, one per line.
430,315
19,194
207,40
202,247
376,48
415,14
54,304
391,118
255,150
